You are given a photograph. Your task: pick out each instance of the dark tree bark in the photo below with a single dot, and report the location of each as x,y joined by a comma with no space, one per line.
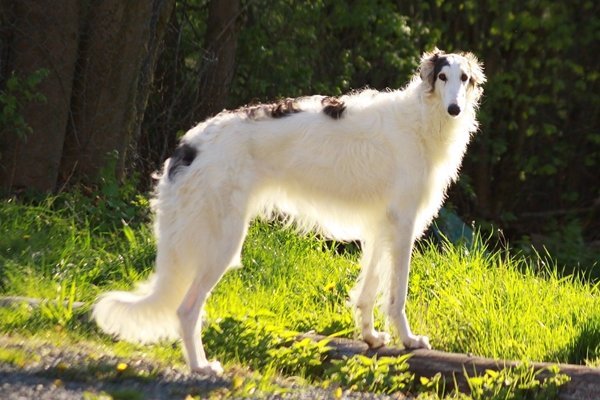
184,93
100,56
169,106
114,61
42,35
161,14
221,43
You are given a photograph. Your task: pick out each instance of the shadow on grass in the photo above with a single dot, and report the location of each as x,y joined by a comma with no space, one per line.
585,348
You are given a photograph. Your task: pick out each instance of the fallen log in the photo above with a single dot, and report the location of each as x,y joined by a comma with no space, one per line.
584,383
11,301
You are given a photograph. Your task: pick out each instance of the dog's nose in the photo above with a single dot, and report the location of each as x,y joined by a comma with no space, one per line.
453,109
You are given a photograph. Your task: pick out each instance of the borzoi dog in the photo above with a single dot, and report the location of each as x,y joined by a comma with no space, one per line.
370,166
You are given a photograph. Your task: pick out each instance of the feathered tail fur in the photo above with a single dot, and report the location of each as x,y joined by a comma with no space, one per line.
146,315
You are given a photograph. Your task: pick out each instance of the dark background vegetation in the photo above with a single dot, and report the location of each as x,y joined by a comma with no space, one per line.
105,87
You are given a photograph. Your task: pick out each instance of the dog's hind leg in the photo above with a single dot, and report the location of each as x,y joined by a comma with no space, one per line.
216,257
190,325
365,292
401,249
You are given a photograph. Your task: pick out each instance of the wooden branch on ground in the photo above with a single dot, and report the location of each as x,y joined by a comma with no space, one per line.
10,301
584,384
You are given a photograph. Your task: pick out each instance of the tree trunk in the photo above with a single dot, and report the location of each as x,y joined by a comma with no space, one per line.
107,100
161,14
100,56
221,43
187,93
43,36
169,106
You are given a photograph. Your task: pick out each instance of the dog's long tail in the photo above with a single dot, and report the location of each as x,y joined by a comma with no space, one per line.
146,315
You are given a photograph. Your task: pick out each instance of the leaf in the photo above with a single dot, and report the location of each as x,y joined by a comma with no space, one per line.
492,373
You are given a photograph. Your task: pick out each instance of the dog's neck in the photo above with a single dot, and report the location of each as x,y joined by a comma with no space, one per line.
437,125
445,137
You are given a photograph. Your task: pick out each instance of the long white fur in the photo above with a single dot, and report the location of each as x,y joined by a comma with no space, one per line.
377,174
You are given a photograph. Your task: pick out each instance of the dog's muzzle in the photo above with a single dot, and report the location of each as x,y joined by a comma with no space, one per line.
453,109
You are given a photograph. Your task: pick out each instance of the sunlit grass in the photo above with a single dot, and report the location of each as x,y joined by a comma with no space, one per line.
496,305
473,300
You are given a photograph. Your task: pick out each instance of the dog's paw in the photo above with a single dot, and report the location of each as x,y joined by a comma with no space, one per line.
212,368
376,339
416,342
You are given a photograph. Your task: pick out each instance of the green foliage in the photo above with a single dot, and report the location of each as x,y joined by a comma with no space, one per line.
330,47
260,344
256,342
245,339
61,246
303,357
17,92
540,112
16,357
378,375
565,246
519,383
60,312
117,202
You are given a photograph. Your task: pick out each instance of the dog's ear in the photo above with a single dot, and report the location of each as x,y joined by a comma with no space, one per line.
477,76
427,67
476,69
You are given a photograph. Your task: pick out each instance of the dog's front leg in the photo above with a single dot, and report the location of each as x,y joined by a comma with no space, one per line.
401,249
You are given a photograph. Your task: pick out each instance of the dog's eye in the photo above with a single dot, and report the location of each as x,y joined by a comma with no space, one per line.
464,77
442,77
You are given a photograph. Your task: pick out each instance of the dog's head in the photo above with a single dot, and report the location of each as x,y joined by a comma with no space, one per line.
456,78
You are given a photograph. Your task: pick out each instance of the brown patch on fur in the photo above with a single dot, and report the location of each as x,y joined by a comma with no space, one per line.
333,107
284,107
280,109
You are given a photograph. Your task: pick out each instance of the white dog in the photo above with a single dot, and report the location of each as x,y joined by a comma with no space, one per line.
369,166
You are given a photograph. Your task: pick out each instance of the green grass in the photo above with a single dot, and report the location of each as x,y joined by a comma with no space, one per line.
73,247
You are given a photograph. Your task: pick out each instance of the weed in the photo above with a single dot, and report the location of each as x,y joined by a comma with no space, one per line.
254,341
518,383
96,396
304,357
17,357
60,311
254,386
126,394
18,92
377,375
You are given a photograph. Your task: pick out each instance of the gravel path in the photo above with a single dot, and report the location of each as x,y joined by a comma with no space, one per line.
54,373
50,373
